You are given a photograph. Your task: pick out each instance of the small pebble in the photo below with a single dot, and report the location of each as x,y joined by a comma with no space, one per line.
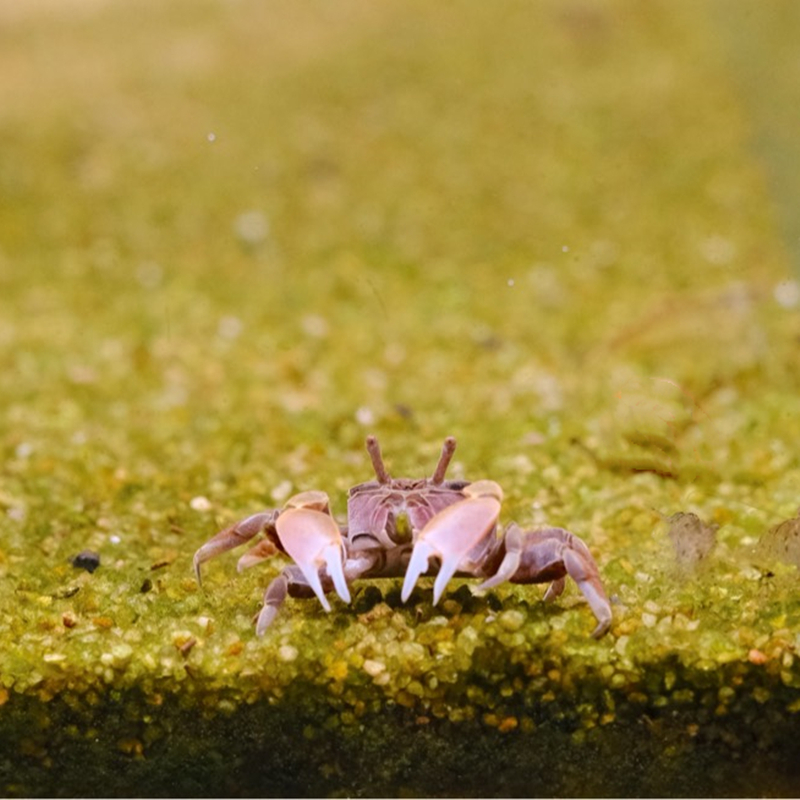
251,227
282,491
365,416
122,652
287,653
53,658
200,503
374,668
87,559
511,620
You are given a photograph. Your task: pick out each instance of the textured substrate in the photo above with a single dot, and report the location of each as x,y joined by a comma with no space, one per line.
483,696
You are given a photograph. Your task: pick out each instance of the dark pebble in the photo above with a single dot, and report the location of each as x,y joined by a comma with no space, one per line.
87,559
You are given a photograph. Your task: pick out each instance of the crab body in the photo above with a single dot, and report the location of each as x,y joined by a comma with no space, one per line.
395,528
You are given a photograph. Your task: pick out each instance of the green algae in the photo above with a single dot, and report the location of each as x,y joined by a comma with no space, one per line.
538,228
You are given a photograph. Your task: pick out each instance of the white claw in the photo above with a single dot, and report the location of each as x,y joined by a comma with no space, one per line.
417,566
311,573
312,539
332,555
446,571
451,535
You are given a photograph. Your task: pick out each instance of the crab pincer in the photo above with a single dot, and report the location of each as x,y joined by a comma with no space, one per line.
458,536
310,535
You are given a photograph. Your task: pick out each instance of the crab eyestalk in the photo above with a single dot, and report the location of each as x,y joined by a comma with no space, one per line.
448,448
374,450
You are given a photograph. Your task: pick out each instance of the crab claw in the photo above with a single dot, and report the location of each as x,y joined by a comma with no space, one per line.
312,538
452,534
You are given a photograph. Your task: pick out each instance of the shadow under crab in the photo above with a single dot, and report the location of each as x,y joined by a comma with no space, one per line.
403,527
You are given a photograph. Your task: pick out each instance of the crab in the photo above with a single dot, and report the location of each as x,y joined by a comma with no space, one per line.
395,528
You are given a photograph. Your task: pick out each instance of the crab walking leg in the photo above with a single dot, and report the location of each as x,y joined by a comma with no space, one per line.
585,574
293,582
514,542
450,535
273,599
265,549
237,534
312,538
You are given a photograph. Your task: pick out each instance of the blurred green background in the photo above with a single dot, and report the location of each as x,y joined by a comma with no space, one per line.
232,228
236,237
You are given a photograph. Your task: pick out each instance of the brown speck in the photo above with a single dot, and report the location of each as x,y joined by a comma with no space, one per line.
235,649
187,646
131,747
63,594
756,657
507,724
406,412
380,611
68,621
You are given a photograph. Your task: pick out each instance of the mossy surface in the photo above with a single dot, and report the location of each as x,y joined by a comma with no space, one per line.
236,238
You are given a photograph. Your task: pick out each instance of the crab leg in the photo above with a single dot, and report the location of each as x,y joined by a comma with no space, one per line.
514,543
265,549
452,534
237,534
273,599
293,582
312,538
584,573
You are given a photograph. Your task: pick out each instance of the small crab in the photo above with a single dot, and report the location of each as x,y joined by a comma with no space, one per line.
395,528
